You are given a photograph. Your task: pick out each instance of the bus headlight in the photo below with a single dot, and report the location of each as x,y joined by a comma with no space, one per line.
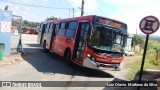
88,55
91,57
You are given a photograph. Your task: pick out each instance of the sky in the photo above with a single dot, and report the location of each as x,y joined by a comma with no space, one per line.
129,11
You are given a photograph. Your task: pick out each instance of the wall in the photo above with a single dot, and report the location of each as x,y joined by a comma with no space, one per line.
5,30
128,43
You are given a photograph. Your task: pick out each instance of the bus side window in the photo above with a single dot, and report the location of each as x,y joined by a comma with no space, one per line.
85,31
62,29
47,27
44,27
71,29
56,28
51,28
87,27
40,27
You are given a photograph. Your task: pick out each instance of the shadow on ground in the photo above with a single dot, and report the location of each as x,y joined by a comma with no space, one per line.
148,75
33,45
52,63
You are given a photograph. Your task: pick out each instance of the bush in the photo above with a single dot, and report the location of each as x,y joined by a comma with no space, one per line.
155,62
150,60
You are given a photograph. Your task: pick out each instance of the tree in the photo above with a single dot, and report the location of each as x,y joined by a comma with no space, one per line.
25,23
51,18
137,40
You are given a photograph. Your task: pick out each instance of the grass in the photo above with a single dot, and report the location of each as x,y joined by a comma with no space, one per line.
150,61
135,67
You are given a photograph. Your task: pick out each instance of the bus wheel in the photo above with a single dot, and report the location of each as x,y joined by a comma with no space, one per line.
44,47
68,57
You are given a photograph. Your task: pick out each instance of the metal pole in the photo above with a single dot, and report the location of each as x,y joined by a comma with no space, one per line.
20,48
73,12
136,31
82,8
69,12
21,28
143,59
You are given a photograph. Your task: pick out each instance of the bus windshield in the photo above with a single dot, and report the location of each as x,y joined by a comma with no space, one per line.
105,38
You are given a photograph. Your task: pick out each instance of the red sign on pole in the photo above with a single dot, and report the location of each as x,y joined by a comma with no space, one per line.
149,24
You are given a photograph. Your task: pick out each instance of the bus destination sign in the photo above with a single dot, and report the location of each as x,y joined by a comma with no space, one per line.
109,22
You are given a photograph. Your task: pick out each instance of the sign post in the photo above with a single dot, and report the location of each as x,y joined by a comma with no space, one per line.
19,47
148,25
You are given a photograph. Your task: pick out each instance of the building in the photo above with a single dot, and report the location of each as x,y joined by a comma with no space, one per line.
5,31
129,42
14,28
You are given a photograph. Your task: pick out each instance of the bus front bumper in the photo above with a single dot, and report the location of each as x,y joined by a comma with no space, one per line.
102,66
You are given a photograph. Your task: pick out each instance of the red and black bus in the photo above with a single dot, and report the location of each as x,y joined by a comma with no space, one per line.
91,41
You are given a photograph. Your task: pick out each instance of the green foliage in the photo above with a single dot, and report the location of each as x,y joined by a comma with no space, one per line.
137,40
150,60
155,44
30,24
51,18
155,62
25,24
135,67
15,23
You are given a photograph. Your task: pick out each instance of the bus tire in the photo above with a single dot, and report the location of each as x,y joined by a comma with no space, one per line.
44,47
67,57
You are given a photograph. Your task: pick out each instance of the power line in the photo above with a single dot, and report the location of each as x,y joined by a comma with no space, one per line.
31,5
100,10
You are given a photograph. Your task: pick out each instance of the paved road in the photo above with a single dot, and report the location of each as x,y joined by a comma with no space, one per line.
40,66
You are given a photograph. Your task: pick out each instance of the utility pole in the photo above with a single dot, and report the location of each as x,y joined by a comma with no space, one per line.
73,11
82,8
19,47
136,31
69,12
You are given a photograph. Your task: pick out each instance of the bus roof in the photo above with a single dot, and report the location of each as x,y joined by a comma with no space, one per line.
90,17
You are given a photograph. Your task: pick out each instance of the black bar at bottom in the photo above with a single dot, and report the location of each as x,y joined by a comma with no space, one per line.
78,84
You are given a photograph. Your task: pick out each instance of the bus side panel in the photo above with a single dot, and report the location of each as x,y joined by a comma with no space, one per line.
60,45
71,45
48,40
52,48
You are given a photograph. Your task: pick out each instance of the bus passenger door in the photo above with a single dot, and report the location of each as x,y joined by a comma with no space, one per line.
80,41
52,36
55,29
42,32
